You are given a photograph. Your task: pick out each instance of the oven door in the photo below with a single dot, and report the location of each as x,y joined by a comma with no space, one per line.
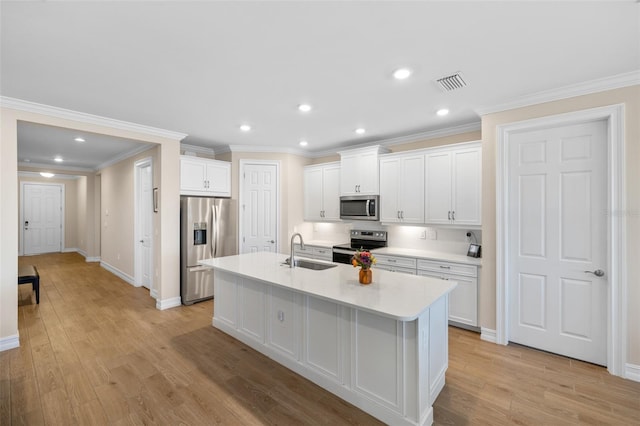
341,255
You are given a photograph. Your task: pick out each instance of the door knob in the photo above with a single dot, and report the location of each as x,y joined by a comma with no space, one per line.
272,241
597,272
142,241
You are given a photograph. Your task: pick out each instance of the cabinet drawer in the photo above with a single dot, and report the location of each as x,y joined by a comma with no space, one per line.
400,269
323,253
307,251
447,268
404,262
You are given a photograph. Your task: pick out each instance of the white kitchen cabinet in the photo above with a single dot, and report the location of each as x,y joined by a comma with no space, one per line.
402,188
205,177
322,192
359,174
463,300
405,265
453,186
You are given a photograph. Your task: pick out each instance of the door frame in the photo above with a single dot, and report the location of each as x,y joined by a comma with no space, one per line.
241,170
62,212
138,166
616,224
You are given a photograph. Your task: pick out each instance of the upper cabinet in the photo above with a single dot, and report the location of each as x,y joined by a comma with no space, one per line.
359,171
322,192
204,177
453,185
402,188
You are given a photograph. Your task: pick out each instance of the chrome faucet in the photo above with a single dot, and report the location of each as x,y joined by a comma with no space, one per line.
291,260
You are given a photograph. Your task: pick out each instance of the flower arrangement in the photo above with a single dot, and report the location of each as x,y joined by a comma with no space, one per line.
363,259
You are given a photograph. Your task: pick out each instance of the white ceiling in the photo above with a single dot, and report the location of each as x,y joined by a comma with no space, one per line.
204,68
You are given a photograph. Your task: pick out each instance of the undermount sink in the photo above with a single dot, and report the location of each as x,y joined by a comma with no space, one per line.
309,264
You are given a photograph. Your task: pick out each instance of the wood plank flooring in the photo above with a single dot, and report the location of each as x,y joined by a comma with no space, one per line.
96,351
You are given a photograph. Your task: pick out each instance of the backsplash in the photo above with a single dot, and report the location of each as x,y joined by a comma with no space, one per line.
435,239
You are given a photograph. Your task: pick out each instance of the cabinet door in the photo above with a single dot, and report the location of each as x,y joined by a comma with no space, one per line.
331,192
438,188
368,174
251,316
349,175
283,322
411,189
193,172
463,300
466,187
313,193
219,178
389,183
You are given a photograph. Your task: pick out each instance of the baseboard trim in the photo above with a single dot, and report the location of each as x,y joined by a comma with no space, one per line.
632,372
115,271
10,342
488,335
92,259
71,250
172,302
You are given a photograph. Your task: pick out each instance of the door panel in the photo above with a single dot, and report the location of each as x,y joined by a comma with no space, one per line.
42,215
557,232
259,214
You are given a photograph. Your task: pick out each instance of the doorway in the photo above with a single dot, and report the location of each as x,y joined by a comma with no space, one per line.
143,235
546,212
42,218
259,206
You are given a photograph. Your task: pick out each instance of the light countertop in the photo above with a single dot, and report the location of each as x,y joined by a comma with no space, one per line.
399,296
429,255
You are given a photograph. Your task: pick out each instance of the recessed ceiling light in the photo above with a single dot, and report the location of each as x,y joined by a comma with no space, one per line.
401,73
304,107
304,143
360,131
58,159
442,112
245,127
79,139
47,174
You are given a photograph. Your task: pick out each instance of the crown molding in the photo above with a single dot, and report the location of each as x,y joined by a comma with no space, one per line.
57,176
593,86
267,149
21,105
123,156
48,167
195,148
414,137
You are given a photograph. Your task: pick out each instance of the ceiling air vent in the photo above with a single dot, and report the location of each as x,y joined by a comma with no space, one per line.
452,82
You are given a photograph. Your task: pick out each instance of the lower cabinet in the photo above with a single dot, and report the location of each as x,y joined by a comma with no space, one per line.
392,369
463,300
404,265
314,252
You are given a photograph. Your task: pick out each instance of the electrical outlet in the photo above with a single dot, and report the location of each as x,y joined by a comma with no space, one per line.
432,234
423,235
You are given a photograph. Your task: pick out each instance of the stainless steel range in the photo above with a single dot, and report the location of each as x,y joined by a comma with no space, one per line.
366,240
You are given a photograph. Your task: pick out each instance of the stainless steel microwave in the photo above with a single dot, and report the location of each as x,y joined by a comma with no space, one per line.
360,207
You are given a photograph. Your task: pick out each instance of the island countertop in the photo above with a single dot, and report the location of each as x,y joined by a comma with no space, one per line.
399,296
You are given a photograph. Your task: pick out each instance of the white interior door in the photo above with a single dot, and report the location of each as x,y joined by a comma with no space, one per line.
558,239
42,218
259,210
144,224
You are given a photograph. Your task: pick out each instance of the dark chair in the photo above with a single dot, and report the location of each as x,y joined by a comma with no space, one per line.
29,274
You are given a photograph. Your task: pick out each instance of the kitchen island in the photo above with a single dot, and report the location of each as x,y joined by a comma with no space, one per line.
382,347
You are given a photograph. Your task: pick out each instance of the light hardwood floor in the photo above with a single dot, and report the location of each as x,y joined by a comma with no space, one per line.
96,351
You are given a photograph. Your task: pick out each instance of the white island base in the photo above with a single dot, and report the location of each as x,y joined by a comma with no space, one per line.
372,356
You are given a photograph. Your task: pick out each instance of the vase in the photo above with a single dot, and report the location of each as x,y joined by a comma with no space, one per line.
365,276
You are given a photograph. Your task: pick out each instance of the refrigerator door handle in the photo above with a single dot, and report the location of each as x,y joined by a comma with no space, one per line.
214,230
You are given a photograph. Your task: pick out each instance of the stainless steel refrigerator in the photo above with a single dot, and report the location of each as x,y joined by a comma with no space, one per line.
207,229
